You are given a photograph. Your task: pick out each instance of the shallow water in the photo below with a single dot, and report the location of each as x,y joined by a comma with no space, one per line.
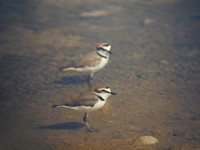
154,70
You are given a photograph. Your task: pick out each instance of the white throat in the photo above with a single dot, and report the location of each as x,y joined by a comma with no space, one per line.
107,47
103,95
103,54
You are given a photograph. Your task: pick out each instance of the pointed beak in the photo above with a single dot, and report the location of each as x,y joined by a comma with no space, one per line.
112,93
110,52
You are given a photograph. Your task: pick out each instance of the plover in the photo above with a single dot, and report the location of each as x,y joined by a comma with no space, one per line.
89,102
93,61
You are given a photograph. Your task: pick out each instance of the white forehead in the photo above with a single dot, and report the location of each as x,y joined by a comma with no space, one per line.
106,47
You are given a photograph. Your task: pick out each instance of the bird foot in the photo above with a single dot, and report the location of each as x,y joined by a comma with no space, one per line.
92,130
89,129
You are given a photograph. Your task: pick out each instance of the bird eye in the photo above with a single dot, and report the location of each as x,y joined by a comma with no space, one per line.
100,48
105,91
107,87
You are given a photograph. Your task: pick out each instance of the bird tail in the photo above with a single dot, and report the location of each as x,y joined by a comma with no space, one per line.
54,106
67,68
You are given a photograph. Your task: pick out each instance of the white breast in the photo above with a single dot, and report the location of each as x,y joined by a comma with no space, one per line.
99,104
101,64
93,69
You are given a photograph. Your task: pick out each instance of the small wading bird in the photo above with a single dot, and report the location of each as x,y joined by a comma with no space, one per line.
89,102
93,61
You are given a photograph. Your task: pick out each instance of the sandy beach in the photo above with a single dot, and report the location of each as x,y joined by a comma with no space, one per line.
154,70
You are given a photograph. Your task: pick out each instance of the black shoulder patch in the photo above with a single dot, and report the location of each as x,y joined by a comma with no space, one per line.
102,56
101,98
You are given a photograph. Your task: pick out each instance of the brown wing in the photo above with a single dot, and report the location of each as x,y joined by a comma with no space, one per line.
88,60
88,99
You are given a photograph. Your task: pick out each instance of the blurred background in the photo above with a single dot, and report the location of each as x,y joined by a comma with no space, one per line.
154,70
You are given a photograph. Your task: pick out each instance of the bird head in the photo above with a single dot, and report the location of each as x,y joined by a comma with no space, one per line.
104,47
104,92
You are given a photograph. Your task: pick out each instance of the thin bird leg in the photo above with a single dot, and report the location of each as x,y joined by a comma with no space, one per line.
90,76
86,123
88,128
89,79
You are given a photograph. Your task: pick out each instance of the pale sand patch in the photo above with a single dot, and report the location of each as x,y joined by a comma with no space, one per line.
148,140
95,13
104,12
148,21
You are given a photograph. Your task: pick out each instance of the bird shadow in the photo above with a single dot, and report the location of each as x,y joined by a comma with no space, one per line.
72,80
63,126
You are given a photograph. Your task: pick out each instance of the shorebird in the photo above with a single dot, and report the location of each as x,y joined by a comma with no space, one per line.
93,61
89,102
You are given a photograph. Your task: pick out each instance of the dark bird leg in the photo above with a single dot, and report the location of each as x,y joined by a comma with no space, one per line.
88,128
90,76
89,79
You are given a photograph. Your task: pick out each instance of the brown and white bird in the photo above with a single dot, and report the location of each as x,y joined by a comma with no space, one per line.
93,61
89,102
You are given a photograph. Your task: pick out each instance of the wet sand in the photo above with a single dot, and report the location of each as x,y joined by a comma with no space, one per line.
154,70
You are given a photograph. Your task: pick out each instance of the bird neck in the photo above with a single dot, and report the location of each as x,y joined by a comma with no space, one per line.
102,97
103,54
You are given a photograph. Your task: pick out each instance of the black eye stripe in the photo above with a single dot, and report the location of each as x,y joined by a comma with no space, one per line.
105,91
101,48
